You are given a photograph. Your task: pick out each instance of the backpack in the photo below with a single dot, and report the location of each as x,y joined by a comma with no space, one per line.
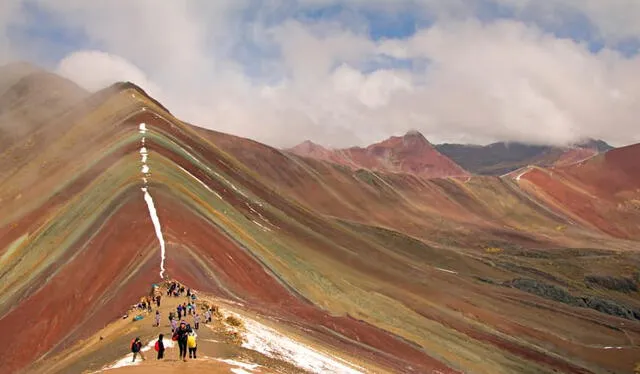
157,346
191,341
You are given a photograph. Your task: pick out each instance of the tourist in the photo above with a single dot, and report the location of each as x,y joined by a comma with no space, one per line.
160,347
136,349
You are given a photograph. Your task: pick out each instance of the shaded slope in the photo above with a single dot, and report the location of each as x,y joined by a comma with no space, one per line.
501,158
304,242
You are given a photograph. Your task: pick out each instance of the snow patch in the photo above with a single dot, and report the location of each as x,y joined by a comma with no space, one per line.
447,270
128,359
202,183
239,371
522,174
243,365
261,225
267,341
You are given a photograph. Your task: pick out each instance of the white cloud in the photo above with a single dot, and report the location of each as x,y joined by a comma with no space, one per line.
95,70
503,80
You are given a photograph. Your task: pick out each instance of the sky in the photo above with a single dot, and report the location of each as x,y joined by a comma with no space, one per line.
352,72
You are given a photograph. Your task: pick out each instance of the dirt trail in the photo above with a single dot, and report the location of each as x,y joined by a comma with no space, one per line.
111,345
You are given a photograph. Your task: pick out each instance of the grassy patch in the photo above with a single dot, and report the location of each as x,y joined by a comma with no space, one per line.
233,321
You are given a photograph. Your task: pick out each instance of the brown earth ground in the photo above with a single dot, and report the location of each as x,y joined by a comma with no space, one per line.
216,341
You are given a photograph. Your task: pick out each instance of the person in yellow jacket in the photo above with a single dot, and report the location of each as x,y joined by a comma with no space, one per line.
192,344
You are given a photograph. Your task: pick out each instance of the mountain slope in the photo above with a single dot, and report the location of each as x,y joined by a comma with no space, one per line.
28,98
502,158
391,271
411,153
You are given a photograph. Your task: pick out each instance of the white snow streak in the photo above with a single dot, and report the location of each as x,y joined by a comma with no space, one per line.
239,371
522,174
156,224
263,227
153,213
447,271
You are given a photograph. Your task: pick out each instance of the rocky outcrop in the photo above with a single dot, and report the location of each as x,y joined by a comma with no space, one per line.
620,284
559,294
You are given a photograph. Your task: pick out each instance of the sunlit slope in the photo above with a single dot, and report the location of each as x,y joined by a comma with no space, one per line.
296,239
602,193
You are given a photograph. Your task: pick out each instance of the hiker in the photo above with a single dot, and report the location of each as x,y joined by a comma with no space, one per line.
136,349
160,347
171,315
188,292
157,318
158,301
181,335
174,325
192,344
207,316
179,308
196,321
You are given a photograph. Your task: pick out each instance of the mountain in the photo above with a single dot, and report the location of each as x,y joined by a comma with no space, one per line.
411,153
501,158
313,265
29,97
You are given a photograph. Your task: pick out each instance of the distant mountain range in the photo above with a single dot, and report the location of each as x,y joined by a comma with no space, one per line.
414,154
501,158
411,153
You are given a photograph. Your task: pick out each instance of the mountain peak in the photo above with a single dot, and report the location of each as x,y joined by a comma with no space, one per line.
597,144
415,137
412,133
308,145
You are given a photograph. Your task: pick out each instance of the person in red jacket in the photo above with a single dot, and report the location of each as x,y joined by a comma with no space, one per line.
160,347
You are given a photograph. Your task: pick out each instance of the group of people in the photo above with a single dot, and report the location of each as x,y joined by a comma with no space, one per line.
147,302
182,333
